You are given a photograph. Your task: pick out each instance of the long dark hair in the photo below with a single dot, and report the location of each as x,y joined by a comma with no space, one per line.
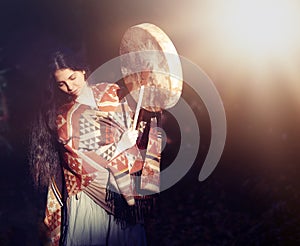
44,149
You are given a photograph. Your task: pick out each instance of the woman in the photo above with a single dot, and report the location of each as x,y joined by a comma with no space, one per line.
84,135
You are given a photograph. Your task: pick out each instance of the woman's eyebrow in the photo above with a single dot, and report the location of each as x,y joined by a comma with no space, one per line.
63,81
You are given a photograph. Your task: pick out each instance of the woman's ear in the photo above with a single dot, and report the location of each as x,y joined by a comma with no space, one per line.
84,74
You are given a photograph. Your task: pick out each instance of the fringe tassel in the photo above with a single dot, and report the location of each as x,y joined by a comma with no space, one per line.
129,215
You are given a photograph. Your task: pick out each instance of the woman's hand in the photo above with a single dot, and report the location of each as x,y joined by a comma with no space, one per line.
127,141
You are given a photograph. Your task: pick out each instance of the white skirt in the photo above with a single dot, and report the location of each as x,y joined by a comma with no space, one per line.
89,224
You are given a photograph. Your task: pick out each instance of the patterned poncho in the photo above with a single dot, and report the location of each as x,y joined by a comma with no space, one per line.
89,136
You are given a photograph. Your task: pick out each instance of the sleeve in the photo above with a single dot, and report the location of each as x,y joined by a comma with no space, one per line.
53,213
150,178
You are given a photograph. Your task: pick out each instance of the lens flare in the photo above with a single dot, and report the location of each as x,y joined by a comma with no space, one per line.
267,27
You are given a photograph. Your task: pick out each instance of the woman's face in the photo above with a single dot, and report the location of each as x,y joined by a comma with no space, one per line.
70,81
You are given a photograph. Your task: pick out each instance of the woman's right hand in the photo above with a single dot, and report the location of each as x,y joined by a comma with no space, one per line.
128,139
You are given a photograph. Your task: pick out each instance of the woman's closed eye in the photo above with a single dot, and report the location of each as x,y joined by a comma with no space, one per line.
61,84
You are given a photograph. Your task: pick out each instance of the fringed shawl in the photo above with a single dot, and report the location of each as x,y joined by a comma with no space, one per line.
89,136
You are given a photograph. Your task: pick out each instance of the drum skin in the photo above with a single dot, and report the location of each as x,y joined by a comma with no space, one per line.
149,58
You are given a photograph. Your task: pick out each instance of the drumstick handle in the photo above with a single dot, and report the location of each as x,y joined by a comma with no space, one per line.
138,107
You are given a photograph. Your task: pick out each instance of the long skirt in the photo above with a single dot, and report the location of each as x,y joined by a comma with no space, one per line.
89,224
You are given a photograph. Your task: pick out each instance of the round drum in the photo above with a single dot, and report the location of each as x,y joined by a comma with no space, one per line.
149,58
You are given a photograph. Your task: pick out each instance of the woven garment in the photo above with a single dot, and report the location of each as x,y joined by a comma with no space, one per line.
53,213
89,136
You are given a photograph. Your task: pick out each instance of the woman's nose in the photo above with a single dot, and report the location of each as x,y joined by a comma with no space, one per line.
69,86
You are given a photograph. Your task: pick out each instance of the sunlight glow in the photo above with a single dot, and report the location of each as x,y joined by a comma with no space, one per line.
245,46
263,27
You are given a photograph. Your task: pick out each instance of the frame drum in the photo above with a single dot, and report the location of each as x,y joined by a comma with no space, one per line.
149,58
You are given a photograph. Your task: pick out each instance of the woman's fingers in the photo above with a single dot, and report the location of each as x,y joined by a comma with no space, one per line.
134,134
128,139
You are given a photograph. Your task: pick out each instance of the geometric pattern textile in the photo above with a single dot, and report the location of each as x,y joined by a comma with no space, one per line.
150,179
89,136
53,213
